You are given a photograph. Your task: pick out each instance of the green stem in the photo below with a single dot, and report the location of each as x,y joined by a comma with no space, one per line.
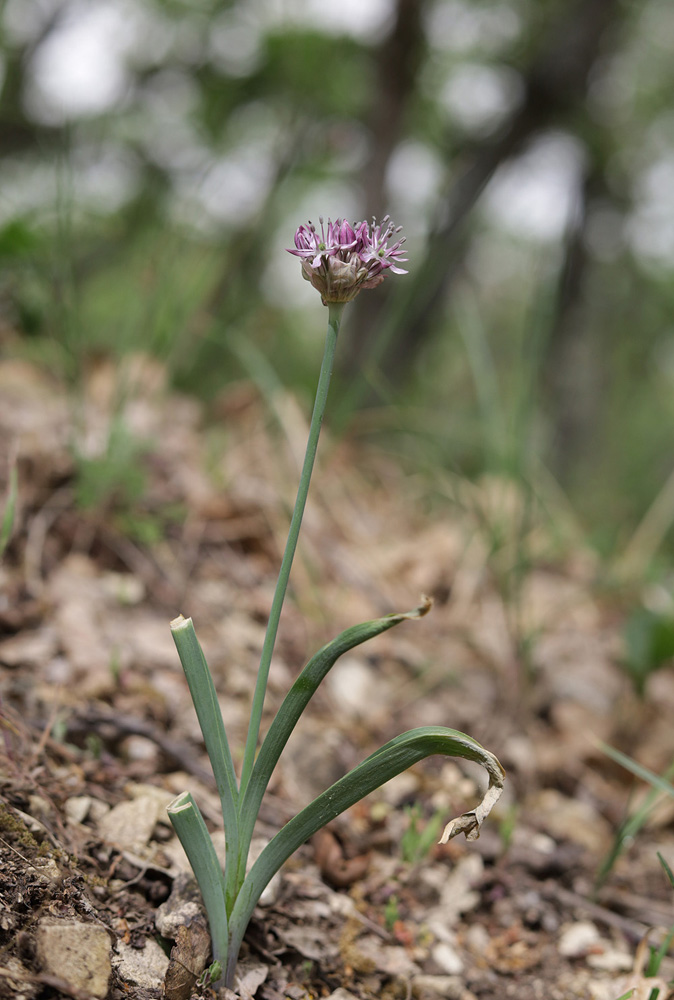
334,319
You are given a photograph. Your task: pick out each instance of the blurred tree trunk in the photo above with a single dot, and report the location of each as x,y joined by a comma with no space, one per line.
397,65
398,61
18,131
573,372
555,87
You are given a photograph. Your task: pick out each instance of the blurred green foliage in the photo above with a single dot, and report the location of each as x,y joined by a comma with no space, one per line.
156,158
419,838
649,644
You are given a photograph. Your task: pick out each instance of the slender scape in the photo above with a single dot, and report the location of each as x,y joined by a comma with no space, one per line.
335,311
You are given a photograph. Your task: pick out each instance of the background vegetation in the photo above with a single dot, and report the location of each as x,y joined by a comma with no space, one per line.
157,155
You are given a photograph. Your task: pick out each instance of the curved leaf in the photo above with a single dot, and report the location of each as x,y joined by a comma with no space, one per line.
294,704
206,705
392,758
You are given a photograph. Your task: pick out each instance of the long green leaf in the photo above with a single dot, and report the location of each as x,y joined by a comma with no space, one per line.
189,824
394,757
294,704
209,715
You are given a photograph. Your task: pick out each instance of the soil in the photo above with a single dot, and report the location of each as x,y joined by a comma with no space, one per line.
132,509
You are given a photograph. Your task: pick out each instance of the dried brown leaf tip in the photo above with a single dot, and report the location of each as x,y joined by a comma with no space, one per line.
471,822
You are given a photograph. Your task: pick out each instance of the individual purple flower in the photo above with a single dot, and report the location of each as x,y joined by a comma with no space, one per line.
375,252
343,259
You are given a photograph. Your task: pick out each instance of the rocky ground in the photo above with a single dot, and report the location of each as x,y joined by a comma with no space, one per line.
522,651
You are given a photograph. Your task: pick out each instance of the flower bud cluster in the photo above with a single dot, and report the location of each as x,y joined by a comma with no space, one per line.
342,259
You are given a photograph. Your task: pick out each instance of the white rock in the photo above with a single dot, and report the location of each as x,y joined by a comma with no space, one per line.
129,825
76,952
355,688
576,939
98,809
611,960
142,967
77,808
476,939
447,987
446,956
249,975
182,906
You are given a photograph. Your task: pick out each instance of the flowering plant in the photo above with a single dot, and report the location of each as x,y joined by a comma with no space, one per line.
339,262
343,259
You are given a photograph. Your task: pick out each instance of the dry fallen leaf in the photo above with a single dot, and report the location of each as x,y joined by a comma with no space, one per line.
189,956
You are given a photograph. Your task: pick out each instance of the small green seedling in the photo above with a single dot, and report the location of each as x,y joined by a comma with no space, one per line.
339,262
391,913
209,975
417,840
7,523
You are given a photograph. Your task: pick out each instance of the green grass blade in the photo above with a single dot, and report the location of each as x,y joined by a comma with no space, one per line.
394,757
658,956
10,510
189,825
630,827
668,871
209,715
639,770
294,704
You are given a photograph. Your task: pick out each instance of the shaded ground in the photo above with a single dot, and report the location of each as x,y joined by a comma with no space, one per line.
99,733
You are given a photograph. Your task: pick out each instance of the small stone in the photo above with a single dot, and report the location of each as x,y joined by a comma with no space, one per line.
18,980
425,987
249,975
566,819
140,748
28,648
38,807
181,908
446,956
129,825
342,994
476,939
576,939
77,808
98,809
49,870
611,960
355,688
126,588
141,967
76,952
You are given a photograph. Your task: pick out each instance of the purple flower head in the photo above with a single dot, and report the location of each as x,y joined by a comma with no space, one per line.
342,259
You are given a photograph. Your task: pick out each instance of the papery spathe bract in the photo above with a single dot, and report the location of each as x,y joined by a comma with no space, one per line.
341,259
